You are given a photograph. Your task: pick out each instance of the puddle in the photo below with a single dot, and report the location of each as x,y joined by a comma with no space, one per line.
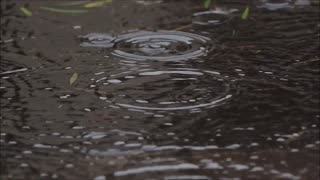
222,98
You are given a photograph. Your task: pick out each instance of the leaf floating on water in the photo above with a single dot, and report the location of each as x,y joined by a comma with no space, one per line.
245,13
97,4
207,3
26,11
67,11
73,78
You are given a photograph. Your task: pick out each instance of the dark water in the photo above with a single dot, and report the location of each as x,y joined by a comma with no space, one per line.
166,90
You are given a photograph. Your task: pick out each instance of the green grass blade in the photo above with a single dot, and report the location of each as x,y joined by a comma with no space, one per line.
207,3
26,11
73,78
97,3
66,11
245,13
76,3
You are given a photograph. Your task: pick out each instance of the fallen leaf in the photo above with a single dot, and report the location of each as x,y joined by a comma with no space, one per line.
26,11
73,78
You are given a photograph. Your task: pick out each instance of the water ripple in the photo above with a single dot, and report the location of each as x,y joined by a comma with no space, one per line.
214,17
161,46
167,90
97,40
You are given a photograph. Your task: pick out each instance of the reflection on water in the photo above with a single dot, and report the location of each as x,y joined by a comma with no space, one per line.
228,99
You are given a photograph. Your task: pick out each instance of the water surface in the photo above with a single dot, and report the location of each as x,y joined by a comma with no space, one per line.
164,94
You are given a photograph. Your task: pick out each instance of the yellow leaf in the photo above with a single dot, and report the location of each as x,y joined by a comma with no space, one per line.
97,4
73,78
26,11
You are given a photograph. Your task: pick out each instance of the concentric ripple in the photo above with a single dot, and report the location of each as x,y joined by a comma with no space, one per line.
97,40
167,90
214,17
161,46
274,5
